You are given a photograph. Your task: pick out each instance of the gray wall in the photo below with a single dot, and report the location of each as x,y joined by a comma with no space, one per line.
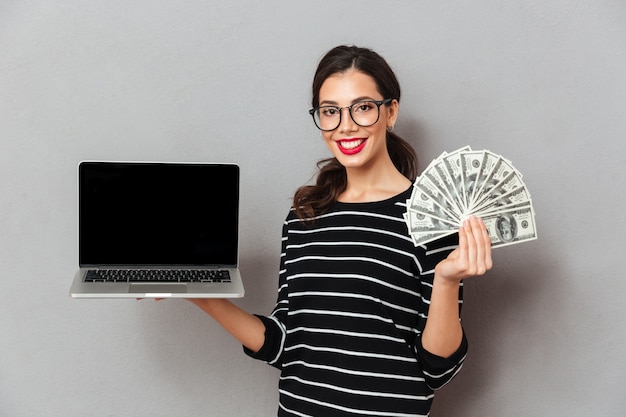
541,83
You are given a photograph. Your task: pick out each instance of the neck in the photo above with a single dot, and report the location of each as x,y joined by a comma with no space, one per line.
368,185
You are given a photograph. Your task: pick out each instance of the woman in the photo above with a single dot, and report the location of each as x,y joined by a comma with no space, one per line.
365,323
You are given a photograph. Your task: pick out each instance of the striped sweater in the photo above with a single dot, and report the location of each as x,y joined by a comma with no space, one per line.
353,300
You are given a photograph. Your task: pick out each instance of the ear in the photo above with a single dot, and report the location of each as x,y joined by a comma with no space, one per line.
392,113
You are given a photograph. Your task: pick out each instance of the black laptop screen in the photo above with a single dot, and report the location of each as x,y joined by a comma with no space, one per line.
158,213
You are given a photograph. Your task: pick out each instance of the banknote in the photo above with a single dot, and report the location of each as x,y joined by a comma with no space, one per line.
432,178
427,197
424,229
503,198
465,182
511,182
452,164
471,163
488,164
498,174
509,227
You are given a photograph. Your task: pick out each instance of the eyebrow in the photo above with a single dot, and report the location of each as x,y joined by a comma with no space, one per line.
356,100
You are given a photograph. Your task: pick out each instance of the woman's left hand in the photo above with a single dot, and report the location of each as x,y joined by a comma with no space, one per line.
471,258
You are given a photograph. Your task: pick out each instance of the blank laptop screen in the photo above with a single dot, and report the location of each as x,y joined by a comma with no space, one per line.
158,213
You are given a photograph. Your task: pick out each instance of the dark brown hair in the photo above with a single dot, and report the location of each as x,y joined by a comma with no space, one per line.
312,200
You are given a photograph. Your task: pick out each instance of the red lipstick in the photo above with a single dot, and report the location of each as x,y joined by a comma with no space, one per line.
351,146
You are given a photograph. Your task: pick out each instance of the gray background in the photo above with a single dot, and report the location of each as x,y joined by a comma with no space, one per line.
541,83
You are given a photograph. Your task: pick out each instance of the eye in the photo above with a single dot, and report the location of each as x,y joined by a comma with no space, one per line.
328,111
363,107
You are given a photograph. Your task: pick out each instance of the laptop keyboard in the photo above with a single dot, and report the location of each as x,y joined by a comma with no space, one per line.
157,275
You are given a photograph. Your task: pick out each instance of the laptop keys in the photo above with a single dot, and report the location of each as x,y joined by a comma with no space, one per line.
156,275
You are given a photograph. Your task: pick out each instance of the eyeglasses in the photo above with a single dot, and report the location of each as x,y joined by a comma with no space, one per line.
364,113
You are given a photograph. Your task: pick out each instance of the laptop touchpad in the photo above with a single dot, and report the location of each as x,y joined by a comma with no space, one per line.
158,288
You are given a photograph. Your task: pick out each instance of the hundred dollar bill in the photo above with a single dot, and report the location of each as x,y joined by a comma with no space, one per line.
510,227
515,196
471,163
448,183
498,173
432,178
488,164
423,222
512,181
428,198
426,237
420,236
452,167
504,207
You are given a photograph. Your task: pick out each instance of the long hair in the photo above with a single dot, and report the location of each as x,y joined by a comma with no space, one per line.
312,200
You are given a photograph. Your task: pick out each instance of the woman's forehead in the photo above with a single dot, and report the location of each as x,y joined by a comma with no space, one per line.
347,86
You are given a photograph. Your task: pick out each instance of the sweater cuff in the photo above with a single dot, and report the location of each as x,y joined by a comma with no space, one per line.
437,364
271,346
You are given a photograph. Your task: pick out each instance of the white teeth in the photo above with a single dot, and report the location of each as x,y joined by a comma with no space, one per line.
351,144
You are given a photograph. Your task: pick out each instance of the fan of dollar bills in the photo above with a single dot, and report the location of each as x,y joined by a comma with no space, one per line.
465,182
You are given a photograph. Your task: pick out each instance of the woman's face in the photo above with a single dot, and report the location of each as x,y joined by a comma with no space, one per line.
354,146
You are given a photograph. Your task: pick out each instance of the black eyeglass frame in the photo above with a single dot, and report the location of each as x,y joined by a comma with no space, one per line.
340,110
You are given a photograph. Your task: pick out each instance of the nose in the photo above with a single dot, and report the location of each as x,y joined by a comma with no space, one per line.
346,124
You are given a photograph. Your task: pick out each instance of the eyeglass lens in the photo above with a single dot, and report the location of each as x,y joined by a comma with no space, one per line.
363,113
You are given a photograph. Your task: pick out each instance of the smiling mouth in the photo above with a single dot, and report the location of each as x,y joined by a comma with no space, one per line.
351,146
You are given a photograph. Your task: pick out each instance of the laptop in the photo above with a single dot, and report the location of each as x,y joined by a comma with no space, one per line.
157,230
